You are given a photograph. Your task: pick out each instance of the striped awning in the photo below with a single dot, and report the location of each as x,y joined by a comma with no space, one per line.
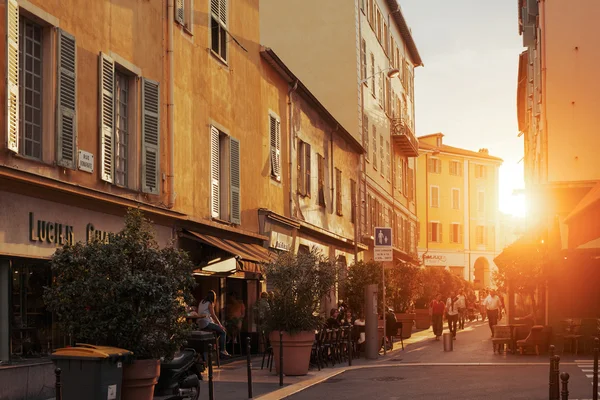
244,251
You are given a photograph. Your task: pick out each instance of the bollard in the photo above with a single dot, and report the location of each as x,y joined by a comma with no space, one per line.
280,358
448,341
595,381
58,384
249,360
211,389
556,378
551,382
564,377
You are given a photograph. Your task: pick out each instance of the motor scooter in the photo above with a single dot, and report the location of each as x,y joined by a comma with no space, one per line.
180,378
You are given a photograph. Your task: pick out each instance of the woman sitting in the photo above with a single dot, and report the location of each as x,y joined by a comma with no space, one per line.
209,321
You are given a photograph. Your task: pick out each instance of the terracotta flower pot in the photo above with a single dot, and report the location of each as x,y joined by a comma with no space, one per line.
407,320
139,379
422,319
296,351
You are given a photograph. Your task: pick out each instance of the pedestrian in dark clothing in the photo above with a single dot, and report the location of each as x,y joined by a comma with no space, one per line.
437,316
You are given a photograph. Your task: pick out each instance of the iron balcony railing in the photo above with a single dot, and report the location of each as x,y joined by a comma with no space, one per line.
404,137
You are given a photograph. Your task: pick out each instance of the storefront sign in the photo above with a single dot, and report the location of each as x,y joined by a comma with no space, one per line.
431,259
86,161
49,232
281,241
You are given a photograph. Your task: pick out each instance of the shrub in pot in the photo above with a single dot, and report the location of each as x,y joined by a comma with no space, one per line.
300,282
125,292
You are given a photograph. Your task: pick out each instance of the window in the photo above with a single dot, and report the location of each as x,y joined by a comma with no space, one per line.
366,135
321,174
480,171
381,96
406,244
455,199
388,161
434,165
304,168
382,155
371,207
388,96
118,137
384,38
275,154
363,61
338,192
371,12
378,26
434,196
400,175
435,232
225,176
481,235
30,79
218,28
456,233
375,147
184,11
121,127
353,200
405,176
455,168
481,201
411,184
372,74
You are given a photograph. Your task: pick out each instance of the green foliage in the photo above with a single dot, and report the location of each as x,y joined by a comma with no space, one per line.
300,282
404,285
360,275
126,293
439,281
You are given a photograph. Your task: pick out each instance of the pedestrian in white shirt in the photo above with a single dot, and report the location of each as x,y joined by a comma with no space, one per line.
461,304
493,306
452,314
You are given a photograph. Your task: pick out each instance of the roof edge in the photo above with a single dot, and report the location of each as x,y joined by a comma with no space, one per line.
405,32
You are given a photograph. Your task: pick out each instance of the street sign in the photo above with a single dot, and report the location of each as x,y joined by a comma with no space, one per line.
383,250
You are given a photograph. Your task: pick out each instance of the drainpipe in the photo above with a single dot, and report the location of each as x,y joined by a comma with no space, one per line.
170,124
292,136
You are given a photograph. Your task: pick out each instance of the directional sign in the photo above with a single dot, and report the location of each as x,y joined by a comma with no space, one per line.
383,250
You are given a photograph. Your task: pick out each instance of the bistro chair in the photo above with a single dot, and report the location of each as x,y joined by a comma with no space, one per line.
267,352
502,337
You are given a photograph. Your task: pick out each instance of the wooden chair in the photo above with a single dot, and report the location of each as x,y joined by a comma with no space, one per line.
268,351
534,340
502,338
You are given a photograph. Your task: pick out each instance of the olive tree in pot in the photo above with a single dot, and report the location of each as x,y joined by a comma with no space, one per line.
300,282
126,293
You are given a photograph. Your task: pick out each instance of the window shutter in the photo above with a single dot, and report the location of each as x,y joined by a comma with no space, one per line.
107,113
275,134
366,134
460,233
12,75
452,233
439,232
150,136
67,100
429,231
215,204
179,11
234,171
307,182
301,168
223,11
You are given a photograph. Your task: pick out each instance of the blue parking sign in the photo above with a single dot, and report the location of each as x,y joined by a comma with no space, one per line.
383,237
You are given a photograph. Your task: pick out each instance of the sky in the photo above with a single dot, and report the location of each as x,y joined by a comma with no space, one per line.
467,88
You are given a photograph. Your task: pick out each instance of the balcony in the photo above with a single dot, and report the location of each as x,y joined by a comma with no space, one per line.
403,137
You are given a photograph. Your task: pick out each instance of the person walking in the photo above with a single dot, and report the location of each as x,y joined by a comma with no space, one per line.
452,313
493,306
437,315
461,304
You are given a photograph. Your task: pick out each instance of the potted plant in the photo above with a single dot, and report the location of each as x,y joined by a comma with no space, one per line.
126,293
404,284
300,283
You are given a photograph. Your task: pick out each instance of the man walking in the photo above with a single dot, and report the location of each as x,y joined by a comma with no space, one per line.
461,305
493,306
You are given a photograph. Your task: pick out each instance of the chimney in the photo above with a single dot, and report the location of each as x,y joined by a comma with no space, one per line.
484,151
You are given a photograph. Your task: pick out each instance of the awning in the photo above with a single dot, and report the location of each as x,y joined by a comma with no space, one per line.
584,220
249,255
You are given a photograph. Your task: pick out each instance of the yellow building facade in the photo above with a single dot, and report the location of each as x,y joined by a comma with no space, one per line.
457,204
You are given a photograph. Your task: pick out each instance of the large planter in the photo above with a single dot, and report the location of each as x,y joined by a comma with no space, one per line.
139,379
296,351
407,320
422,318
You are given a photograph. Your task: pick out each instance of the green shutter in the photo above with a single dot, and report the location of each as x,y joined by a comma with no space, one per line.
234,180
67,100
150,136
12,75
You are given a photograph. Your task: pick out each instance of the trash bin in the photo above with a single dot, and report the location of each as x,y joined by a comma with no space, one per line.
448,341
91,372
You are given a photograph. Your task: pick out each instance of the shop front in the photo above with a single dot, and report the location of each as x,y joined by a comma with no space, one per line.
31,229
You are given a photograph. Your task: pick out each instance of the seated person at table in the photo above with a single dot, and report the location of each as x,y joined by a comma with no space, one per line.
348,319
332,321
209,321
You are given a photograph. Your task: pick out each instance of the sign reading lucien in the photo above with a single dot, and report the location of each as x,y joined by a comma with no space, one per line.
41,231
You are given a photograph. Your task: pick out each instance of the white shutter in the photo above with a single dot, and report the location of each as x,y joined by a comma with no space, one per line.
67,100
12,75
234,181
223,11
150,136
107,116
215,195
275,135
179,11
